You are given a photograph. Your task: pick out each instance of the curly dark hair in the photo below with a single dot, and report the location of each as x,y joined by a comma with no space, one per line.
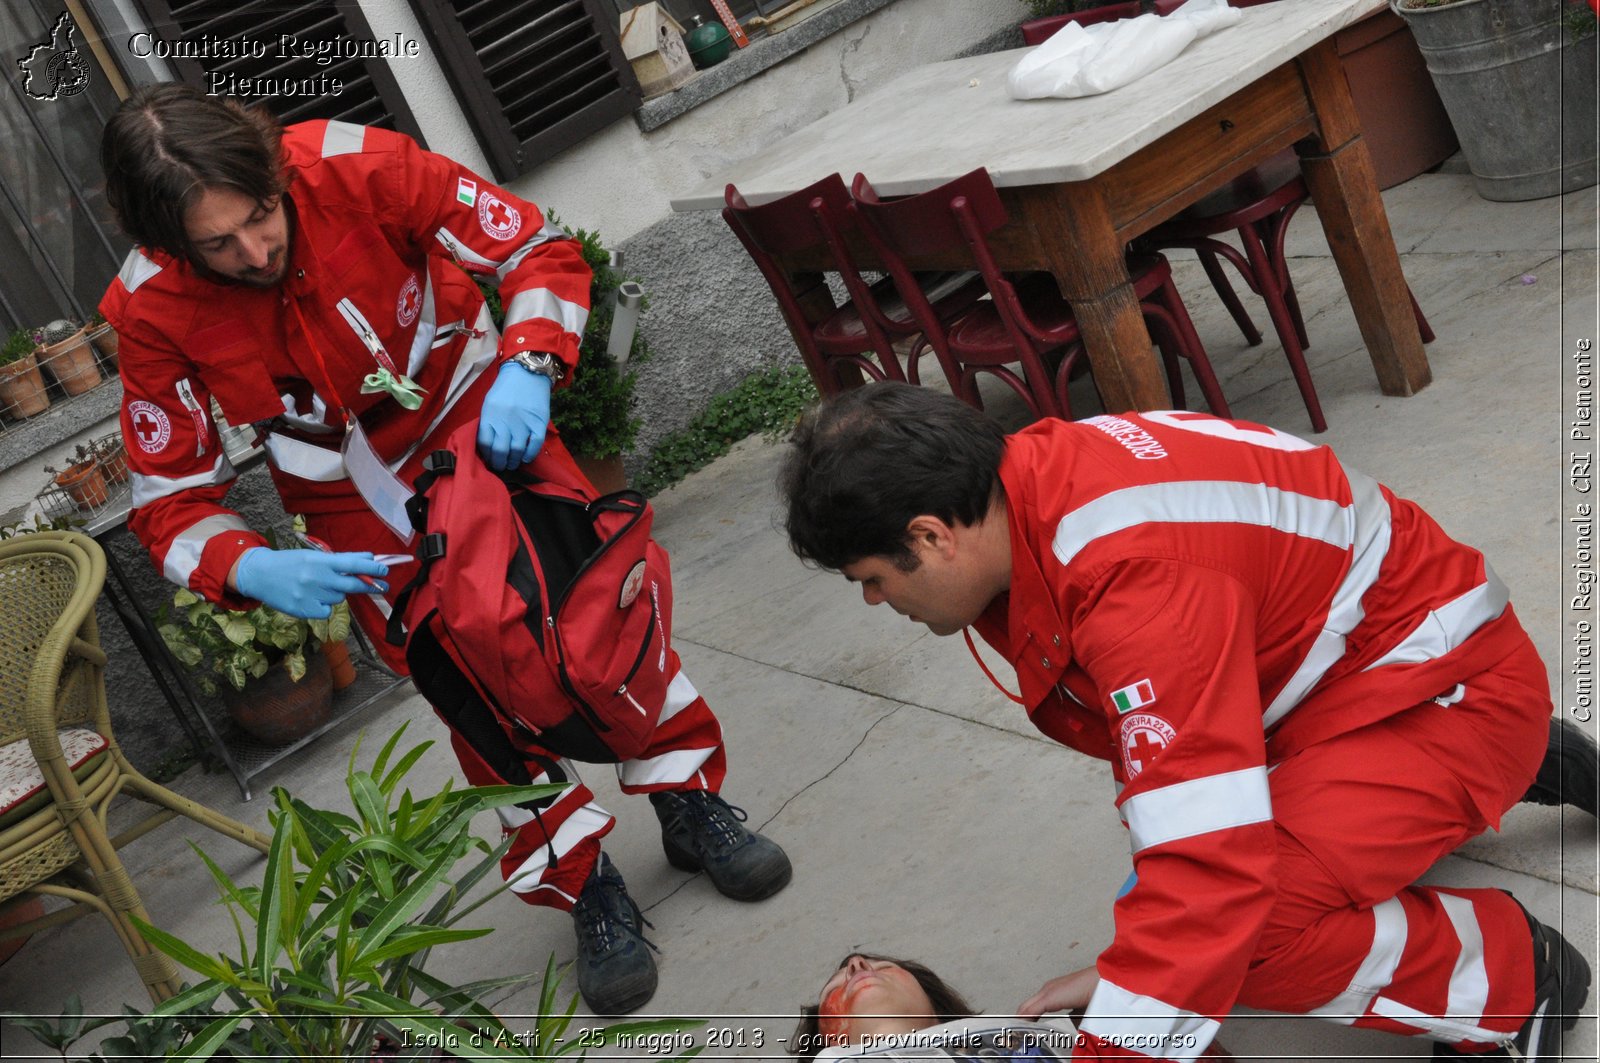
865,462
948,1005
168,143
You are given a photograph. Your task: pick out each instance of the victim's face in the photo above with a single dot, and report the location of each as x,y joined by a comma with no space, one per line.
239,239
868,997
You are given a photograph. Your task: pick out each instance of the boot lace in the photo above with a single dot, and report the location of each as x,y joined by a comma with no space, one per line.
710,818
607,915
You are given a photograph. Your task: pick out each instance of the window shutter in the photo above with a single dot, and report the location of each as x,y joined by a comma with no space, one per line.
533,76
369,95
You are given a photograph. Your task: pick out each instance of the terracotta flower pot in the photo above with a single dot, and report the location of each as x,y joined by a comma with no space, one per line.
276,709
22,391
104,338
339,662
113,458
606,474
85,483
72,363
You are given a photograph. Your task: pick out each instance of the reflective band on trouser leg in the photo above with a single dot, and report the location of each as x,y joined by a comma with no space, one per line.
685,750
1144,1026
555,847
1451,965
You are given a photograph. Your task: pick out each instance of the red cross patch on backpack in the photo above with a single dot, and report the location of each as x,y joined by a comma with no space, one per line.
547,603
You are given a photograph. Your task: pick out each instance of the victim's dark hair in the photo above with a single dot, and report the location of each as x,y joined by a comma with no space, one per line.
948,1005
168,143
865,462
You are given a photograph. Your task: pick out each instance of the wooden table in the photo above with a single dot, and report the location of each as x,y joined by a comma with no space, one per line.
1083,177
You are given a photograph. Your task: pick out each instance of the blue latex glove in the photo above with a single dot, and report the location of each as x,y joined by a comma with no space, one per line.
515,413
305,583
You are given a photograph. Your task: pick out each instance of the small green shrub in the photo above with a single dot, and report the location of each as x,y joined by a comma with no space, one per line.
17,345
768,402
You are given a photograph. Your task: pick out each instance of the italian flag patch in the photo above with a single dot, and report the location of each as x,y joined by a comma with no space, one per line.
466,191
1133,697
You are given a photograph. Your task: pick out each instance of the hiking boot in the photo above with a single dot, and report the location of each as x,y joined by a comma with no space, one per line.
1570,771
702,832
1560,987
616,972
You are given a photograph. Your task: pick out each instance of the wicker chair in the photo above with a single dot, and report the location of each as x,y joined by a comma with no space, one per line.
60,766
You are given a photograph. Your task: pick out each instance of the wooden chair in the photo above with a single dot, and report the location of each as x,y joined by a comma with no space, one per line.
60,765
1039,30
1025,322
1258,206
859,336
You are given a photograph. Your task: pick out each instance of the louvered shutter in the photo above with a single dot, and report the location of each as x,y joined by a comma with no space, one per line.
533,76
369,95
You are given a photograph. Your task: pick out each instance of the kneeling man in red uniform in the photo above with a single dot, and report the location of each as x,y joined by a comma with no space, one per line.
1308,694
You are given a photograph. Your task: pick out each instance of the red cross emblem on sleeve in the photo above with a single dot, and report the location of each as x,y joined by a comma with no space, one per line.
1144,736
151,428
499,219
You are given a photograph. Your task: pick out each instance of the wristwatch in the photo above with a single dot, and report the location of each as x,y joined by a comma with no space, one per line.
541,362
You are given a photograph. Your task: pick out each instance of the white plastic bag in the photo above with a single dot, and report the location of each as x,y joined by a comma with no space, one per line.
1087,60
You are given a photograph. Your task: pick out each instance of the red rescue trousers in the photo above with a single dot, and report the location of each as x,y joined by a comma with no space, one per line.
1359,818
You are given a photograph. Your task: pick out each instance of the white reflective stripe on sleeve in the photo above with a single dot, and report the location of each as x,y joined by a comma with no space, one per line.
1448,626
136,269
183,556
1389,933
536,304
454,244
585,822
146,489
342,138
680,765
1370,532
680,695
1202,502
1146,1025
427,330
543,236
1198,806
305,460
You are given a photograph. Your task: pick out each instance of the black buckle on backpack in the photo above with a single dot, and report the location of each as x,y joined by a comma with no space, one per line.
432,548
440,461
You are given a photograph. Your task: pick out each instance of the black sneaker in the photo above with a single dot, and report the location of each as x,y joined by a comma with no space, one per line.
701,831
1570,771
616,972
1560,987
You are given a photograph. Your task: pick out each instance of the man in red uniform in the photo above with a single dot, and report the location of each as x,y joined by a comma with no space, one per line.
314,282
1307,693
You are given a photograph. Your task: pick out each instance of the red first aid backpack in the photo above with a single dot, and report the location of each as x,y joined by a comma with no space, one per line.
550,605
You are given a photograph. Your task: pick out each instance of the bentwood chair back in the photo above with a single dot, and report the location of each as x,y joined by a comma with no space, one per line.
1258,206
60,765
1025,323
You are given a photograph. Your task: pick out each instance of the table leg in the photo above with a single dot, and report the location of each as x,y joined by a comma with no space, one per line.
1344,186
1079,245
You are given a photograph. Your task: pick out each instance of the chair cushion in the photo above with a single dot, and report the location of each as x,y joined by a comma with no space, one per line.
22,787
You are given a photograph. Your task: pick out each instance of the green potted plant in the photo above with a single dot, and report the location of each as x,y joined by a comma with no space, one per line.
1518,80
275,687
333,945
594,413
65,353
22,389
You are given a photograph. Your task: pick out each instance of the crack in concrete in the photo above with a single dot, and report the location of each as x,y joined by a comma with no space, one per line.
851,45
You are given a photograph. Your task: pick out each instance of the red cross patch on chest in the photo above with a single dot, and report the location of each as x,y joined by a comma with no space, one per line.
409,303
1144,736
